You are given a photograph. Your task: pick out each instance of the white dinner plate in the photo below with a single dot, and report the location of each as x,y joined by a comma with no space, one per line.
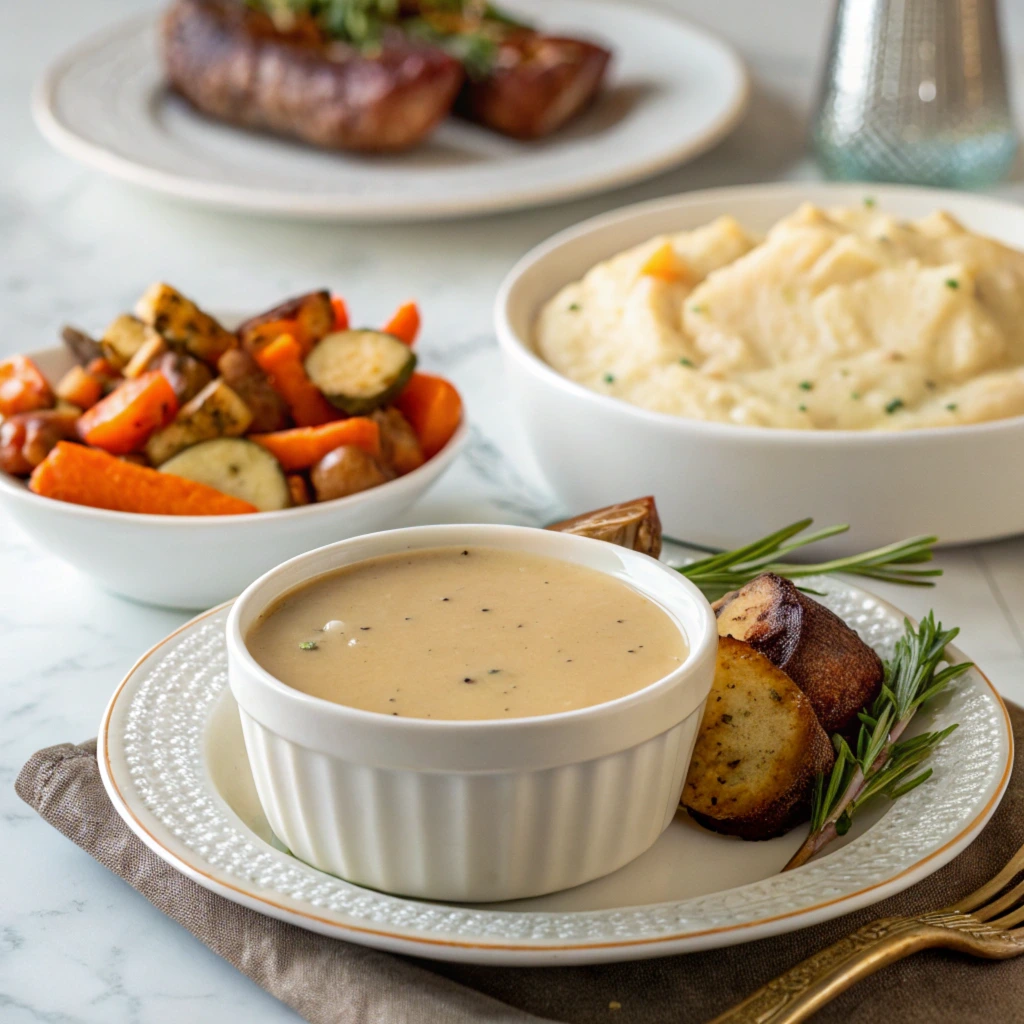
173,761
673,91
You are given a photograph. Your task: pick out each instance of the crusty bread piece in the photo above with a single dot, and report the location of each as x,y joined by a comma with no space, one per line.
758,751
813,646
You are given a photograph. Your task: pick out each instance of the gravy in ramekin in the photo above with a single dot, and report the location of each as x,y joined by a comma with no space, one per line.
466,633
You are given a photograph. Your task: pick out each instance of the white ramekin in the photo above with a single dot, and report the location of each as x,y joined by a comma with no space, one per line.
724,485
473,811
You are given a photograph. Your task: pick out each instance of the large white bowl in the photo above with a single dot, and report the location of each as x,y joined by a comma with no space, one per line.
720,484
466,810
197,561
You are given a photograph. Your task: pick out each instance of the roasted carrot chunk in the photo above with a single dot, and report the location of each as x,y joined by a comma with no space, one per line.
87,476
405,324
433,407
79,387
665,265
123,421
341,320
281,361
23,387
305,446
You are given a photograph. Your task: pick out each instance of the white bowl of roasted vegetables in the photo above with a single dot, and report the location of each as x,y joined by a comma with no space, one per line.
174,460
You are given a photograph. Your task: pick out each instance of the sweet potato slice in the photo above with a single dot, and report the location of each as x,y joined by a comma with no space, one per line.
814,647
630,524
758,751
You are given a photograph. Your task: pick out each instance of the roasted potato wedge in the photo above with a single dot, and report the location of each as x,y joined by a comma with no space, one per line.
313,312
758,751
251,384
183,324
124,337
630,524
187,375
814,647
215,412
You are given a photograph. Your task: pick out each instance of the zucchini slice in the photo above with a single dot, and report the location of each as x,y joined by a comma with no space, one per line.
359,371
237,467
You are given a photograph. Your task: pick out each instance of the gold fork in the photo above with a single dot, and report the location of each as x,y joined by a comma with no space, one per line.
983,924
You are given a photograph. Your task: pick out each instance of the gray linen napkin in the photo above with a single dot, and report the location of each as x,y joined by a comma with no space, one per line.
329,982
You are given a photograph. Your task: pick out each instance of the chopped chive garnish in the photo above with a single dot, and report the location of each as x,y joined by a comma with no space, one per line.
802,407
805,385
685,362
609,378
952,407
308,645
698,309
893,405
855,395
574,307
952,282
869,201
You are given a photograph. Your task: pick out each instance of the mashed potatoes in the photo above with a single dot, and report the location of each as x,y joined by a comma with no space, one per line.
847,319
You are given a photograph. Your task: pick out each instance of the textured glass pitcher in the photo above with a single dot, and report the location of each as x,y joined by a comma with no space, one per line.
915,91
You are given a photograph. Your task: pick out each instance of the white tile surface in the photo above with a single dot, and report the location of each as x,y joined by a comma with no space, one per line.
76,944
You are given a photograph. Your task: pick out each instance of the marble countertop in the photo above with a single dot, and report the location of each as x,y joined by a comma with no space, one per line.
77,944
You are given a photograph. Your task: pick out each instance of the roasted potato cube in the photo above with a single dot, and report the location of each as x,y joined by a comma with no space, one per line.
244,376
183,324
215,412
400,447
313,313
758,750
814,647
140,362
186,375
124,337
347,470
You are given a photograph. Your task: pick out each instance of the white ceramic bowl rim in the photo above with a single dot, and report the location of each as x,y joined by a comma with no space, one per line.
409,481
444,745
522,348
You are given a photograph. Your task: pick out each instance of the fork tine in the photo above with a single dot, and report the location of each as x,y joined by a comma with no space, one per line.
1009,920
994,887
1005,902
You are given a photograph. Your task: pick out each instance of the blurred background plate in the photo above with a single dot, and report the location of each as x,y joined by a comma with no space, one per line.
673,91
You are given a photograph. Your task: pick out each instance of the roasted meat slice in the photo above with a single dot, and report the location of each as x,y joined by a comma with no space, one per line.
630,524
758,750
233,63
814,647
537,84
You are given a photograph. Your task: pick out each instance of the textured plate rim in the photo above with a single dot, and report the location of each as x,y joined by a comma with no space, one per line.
297,204
526,953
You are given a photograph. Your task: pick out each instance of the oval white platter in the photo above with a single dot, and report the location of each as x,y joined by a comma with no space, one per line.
673,91
173,761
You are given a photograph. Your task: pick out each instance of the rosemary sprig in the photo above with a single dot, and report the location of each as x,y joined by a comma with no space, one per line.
723,571
882,763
